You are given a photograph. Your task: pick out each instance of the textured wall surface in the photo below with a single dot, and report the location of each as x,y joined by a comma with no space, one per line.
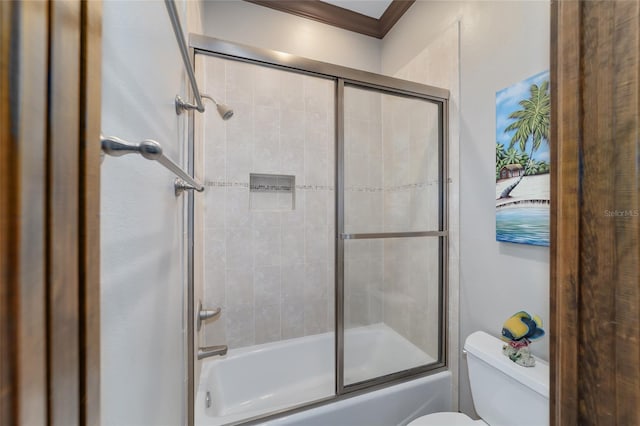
142,224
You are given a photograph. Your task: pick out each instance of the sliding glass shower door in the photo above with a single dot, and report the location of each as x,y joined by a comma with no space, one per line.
391,233
321,233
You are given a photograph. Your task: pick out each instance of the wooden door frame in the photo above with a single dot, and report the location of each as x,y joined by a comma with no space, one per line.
595,239
49,316
49,212
564,257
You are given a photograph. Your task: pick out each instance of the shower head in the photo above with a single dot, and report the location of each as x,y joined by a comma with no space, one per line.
224,110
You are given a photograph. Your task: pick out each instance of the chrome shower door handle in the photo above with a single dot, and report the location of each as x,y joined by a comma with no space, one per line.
205,314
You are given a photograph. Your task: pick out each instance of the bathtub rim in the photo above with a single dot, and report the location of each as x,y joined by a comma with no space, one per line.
360,388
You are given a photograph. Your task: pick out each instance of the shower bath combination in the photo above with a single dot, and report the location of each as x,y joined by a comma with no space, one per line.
338,284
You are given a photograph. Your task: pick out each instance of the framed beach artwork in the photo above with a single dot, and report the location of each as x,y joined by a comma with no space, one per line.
522,162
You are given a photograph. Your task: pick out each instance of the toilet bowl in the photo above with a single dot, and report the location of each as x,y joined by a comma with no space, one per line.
504,393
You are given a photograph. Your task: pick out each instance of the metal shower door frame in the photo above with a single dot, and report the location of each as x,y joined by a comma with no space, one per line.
442,234
210,46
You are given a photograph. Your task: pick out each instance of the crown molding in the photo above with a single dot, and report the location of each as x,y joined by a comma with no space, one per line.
339,17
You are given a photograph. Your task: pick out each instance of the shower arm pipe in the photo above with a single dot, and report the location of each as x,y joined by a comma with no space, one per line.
184,51
151,150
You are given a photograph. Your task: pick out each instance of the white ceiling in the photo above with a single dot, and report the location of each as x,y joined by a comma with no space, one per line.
372,8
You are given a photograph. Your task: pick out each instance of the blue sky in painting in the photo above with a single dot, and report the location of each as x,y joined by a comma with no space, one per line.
507,102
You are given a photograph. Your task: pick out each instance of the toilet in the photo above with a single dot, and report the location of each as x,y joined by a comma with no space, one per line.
504,393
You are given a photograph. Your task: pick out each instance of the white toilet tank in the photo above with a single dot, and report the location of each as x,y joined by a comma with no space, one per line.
505,393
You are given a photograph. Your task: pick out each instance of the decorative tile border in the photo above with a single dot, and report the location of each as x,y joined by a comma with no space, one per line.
407,187
411,186
219,184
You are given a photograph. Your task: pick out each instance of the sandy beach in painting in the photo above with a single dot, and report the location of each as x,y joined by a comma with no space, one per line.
536,187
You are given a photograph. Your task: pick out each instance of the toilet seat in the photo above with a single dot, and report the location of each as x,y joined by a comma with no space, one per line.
446,419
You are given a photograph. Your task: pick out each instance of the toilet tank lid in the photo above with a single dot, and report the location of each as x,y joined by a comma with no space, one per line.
489,349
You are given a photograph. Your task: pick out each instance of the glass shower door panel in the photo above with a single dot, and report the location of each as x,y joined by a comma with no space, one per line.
265,250
391,162
392,234
391,306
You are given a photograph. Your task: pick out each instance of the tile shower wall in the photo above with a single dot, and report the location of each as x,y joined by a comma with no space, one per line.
269,265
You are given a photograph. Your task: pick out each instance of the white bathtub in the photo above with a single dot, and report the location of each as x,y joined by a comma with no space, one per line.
253,381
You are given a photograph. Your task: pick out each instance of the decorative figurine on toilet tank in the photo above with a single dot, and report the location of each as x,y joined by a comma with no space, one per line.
519,330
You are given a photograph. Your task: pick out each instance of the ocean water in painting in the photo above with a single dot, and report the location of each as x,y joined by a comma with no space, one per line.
524,225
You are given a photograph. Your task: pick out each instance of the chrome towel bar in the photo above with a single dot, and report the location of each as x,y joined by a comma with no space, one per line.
151,150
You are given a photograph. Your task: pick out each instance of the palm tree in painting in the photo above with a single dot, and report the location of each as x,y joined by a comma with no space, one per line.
500,152
512,156
500,156
531,123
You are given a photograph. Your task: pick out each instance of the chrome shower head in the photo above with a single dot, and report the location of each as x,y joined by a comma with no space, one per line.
224,110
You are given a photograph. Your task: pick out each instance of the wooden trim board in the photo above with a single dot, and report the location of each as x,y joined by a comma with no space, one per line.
339,17
595,218
49,203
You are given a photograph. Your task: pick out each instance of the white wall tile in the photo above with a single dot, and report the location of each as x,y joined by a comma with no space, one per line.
315,168
316,208
268,255
266,282
266,246
266,87
215,251
239,245
293,245
239,82
293,278
237,213
239,290
295,217
266,219
215,288
215,201
267,323
291,90
240,325
315,244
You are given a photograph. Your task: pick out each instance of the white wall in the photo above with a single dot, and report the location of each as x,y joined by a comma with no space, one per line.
258,26
500,43
142,222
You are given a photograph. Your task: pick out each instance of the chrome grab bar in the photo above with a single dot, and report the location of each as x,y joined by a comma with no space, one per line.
151,150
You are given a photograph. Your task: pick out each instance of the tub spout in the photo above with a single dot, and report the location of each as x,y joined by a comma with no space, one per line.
207,351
